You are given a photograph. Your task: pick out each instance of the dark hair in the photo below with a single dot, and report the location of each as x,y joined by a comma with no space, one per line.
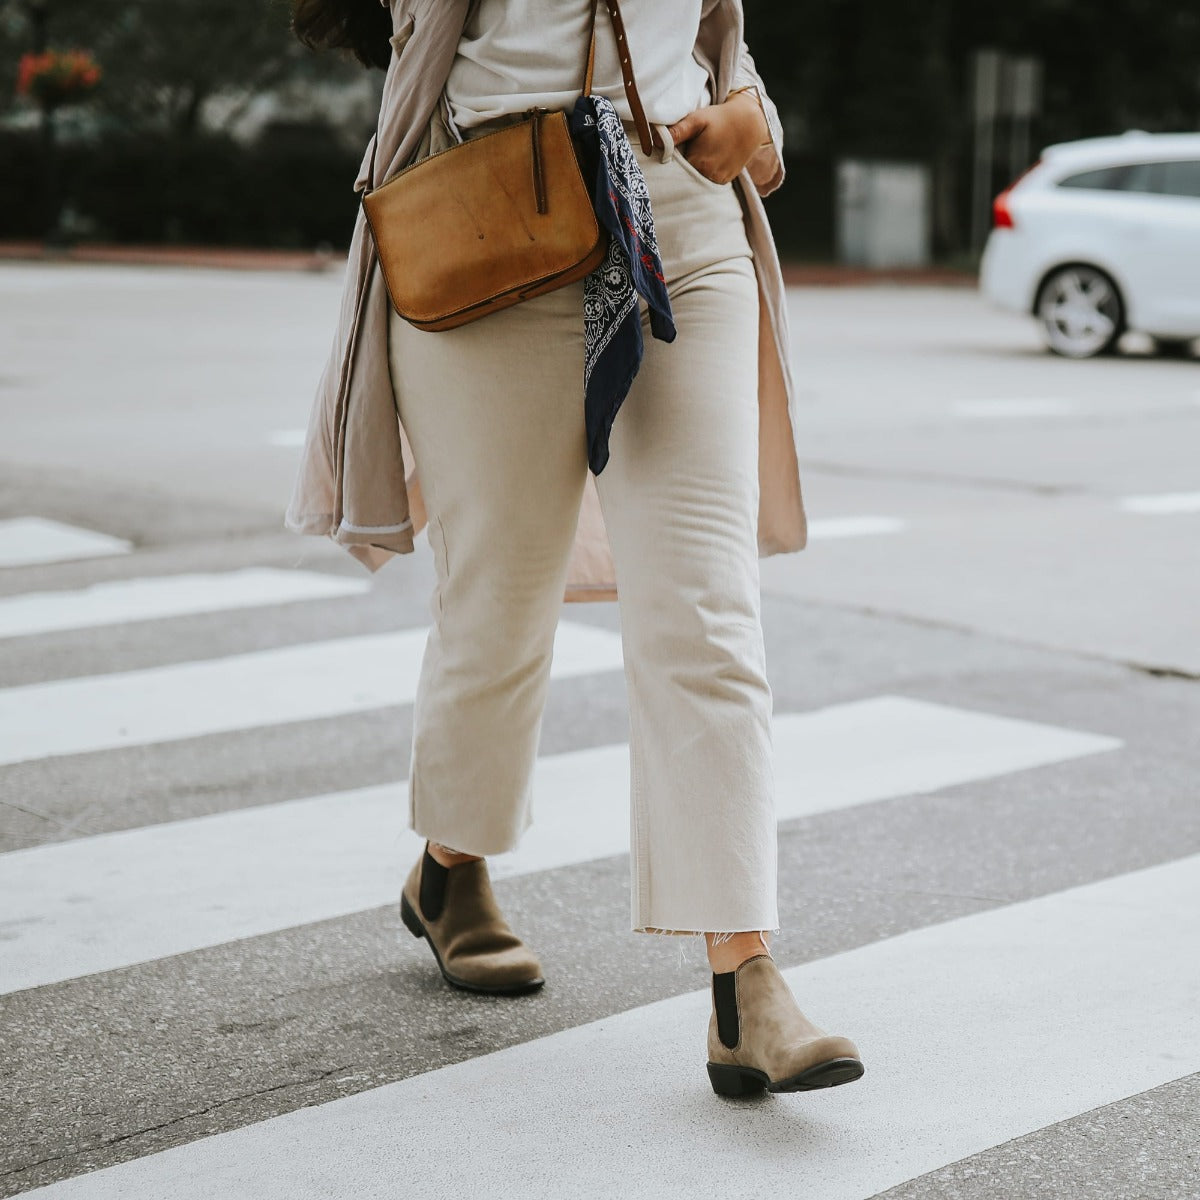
361,26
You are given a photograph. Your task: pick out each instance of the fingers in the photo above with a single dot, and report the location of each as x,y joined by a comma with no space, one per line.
687,127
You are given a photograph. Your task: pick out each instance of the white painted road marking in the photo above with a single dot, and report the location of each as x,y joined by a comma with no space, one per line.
973,1032
1016,407
148,599
26,541
270,687
287,438
99,903
837,527
1162,503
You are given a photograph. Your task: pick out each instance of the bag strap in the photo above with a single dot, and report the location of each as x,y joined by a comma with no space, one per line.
649,138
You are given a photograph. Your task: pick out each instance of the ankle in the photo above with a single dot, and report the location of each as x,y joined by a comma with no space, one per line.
730,951
448,857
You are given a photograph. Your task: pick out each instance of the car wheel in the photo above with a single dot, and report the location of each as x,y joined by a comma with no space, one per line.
1080,311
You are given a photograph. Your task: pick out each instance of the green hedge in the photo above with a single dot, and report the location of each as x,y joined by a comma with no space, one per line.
292,188
21,206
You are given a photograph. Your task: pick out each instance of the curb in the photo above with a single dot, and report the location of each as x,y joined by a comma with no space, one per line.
223,258
835,275
236,258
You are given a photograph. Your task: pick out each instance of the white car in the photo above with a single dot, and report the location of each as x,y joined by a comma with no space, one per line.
1101,236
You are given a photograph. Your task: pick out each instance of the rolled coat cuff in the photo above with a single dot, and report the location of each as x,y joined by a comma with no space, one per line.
766,167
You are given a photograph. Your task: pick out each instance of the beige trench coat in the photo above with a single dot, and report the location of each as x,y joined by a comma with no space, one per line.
353,484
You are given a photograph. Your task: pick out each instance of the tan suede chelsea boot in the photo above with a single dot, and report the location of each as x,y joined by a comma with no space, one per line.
758,1037
454,909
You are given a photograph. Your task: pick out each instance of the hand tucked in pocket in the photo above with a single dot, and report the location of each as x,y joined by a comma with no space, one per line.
720,139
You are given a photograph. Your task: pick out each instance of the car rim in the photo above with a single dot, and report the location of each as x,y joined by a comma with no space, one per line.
1079,311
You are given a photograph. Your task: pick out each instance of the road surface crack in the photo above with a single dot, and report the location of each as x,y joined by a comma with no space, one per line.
124,1137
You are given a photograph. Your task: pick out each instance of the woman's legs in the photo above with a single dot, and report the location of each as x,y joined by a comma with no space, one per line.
496,424
498,439
680,498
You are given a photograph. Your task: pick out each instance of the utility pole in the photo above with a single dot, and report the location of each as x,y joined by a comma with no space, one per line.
986,101
39,22
1002,86
1025,99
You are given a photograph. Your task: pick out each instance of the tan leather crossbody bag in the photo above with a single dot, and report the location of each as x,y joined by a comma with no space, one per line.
494,220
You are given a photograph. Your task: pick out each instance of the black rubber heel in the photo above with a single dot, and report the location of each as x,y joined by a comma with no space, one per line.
410,918
733,1081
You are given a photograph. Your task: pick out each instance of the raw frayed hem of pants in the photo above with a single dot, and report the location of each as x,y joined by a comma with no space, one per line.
720,936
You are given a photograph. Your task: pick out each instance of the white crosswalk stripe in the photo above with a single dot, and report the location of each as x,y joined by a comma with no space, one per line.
935,1090
27,541
840,527
1034,974
116,602
269,687
1161,503
99,903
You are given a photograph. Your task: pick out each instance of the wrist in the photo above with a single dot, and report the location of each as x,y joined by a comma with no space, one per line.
752,96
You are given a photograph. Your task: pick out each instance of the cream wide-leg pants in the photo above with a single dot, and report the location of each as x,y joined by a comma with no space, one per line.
494,414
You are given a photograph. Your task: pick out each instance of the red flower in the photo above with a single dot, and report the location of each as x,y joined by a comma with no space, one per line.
56,76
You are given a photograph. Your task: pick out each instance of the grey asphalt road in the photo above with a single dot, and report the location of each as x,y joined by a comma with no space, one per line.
994,532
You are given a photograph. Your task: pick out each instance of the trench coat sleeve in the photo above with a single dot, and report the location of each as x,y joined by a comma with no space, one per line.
352,483
766,167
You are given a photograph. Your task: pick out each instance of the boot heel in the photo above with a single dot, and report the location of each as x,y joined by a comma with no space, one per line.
410,918
732,1081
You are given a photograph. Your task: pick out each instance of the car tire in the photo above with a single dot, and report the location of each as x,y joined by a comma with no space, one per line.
1080,310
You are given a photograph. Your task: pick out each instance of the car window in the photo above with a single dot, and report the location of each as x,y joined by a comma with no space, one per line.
1143,177
1105,179
1172,178
1181,179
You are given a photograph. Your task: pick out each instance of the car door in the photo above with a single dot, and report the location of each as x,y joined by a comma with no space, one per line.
1163,228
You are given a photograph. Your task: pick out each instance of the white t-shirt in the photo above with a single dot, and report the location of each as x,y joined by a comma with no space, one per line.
519,54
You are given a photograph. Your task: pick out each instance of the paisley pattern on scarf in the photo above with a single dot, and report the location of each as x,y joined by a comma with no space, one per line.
608,298
612,328
624,172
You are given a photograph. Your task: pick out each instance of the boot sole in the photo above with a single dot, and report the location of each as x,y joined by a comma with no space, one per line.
747,1081
413,923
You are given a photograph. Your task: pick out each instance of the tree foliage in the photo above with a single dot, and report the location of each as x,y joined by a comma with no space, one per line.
164,59
851,77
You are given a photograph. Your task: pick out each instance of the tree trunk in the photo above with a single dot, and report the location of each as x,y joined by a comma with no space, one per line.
51,192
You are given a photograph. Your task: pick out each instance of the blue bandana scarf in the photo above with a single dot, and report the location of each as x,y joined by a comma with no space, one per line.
612,327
